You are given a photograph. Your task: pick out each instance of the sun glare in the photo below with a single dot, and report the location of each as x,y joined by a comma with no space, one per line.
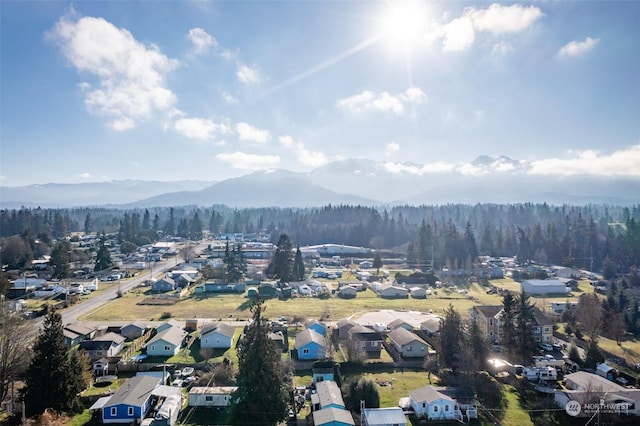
404,22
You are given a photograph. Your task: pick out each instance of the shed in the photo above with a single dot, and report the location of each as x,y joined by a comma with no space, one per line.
542,287
394,292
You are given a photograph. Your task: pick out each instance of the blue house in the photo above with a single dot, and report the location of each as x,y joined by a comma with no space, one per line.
131,402
310,345
316,326
332,417
327,395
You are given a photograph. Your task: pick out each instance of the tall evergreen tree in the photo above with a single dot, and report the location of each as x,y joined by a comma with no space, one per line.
450,339
262,394
146,220
88,223
478,344
49,379
60,259
298,266
282,262
377,263
525,346
507,323
103,258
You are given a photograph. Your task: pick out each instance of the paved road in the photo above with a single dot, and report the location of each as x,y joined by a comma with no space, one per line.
72,313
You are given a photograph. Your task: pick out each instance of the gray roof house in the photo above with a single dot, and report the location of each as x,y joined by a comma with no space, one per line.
217,335
164,285
408,344
109,344
166,343
133,330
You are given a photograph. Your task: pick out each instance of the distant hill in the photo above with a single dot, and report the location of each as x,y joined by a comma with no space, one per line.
352,181
90,194
277,188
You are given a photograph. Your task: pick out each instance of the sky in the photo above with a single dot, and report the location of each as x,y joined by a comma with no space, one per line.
209,90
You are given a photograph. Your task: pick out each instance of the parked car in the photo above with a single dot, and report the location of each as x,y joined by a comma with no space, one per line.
546,346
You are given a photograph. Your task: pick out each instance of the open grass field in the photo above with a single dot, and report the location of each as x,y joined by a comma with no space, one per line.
222,306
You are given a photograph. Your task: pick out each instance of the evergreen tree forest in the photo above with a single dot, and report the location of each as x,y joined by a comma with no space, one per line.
593,237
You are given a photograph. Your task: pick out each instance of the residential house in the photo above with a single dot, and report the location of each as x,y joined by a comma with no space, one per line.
100,367
589,388
488,319
397,323
77,332
418,292
332,417
168,324
217,335
408,344
133,330
310,345
327,395
366,339
184,280
564,272
393,292
106,345
316,326
387,416
166,343
131,402
543,329
347,292
267,291
428,403
215,397
278,338
342,327
431,325
164,285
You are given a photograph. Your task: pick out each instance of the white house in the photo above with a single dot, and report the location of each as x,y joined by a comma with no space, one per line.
217,397
166,343
430,404
217,335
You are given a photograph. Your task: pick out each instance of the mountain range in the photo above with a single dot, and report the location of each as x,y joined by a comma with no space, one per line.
352,181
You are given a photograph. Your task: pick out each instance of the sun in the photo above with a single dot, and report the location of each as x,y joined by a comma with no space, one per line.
404,22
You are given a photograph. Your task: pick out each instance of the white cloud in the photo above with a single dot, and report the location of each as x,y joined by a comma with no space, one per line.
620,163
416,169
577,48
247,75
246,132
458,35
498,19
85,175
201,128
391,148
414,95
201,40
229,98
383,102
131,76
304,156
242,160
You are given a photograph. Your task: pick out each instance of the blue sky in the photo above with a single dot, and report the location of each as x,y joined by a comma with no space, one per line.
160,90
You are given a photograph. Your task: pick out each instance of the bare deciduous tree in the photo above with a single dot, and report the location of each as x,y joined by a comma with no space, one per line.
14,348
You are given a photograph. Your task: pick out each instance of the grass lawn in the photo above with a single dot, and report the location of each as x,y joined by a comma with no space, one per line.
514,414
